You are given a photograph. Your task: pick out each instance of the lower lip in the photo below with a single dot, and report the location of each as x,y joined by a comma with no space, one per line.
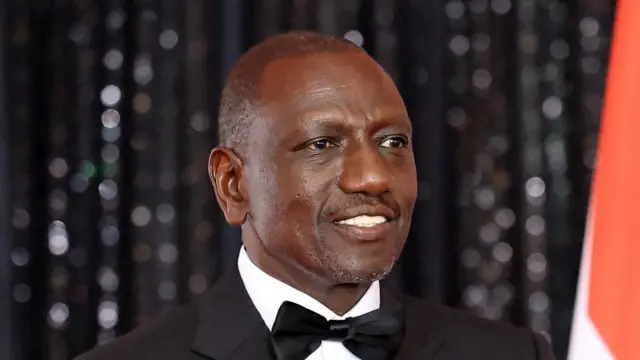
362,233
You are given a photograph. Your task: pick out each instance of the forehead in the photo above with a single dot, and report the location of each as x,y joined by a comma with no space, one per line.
349,80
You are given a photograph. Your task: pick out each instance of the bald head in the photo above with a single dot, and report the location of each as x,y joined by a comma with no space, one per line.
240,102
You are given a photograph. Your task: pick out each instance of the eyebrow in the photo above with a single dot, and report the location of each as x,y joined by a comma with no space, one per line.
326,122
331,121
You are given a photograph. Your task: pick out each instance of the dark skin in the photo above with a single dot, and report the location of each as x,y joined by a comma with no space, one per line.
332,141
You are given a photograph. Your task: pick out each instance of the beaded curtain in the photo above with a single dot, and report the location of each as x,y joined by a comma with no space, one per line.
108,108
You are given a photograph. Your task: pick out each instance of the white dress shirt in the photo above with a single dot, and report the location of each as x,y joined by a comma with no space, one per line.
268,293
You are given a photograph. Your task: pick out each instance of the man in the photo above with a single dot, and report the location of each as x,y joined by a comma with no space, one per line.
315,165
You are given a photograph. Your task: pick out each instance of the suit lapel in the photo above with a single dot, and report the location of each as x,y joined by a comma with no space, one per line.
420,340
229,326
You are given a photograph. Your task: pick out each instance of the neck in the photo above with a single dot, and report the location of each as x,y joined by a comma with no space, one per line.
339,298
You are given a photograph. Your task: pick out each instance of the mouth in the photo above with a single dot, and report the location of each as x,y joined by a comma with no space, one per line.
366,221
365,227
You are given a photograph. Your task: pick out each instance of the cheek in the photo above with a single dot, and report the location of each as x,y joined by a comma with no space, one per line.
282,203
405,181
265,200
313,187
302,210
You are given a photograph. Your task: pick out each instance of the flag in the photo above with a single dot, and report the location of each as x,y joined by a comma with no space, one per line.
606,323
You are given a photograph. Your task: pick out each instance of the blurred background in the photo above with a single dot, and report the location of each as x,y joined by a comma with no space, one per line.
108,109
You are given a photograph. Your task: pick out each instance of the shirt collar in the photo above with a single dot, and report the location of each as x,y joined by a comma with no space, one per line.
268,293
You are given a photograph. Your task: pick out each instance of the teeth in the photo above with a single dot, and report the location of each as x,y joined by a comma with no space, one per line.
364,221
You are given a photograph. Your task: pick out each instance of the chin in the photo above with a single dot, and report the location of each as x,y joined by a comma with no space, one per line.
358,275
358,263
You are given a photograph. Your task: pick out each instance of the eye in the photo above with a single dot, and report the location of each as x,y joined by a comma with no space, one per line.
394,142
320,144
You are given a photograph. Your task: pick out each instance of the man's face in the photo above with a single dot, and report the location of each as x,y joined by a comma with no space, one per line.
330,176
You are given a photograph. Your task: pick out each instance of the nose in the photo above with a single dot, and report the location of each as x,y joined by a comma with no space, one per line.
364,171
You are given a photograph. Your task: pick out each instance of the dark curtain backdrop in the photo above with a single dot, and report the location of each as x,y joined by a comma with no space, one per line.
107,217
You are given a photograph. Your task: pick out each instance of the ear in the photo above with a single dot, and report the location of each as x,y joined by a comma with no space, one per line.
226,173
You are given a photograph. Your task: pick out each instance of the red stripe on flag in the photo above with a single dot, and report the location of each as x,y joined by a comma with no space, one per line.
614,291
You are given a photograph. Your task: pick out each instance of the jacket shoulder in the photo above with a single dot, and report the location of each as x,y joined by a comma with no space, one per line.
169,337
467,335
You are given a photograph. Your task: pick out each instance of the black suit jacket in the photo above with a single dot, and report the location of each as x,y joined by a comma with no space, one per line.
223,324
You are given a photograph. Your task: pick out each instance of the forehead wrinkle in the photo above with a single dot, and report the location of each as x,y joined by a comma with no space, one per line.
322,101
318,88
307,89
330,122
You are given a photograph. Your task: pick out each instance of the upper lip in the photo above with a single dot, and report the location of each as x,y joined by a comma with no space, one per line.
368,210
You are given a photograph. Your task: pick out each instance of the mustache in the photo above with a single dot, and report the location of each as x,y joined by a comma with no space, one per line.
356,200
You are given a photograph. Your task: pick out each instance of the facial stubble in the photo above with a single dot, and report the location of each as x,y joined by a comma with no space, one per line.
342,269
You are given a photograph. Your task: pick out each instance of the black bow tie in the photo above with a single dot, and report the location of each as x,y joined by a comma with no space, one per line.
298,332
